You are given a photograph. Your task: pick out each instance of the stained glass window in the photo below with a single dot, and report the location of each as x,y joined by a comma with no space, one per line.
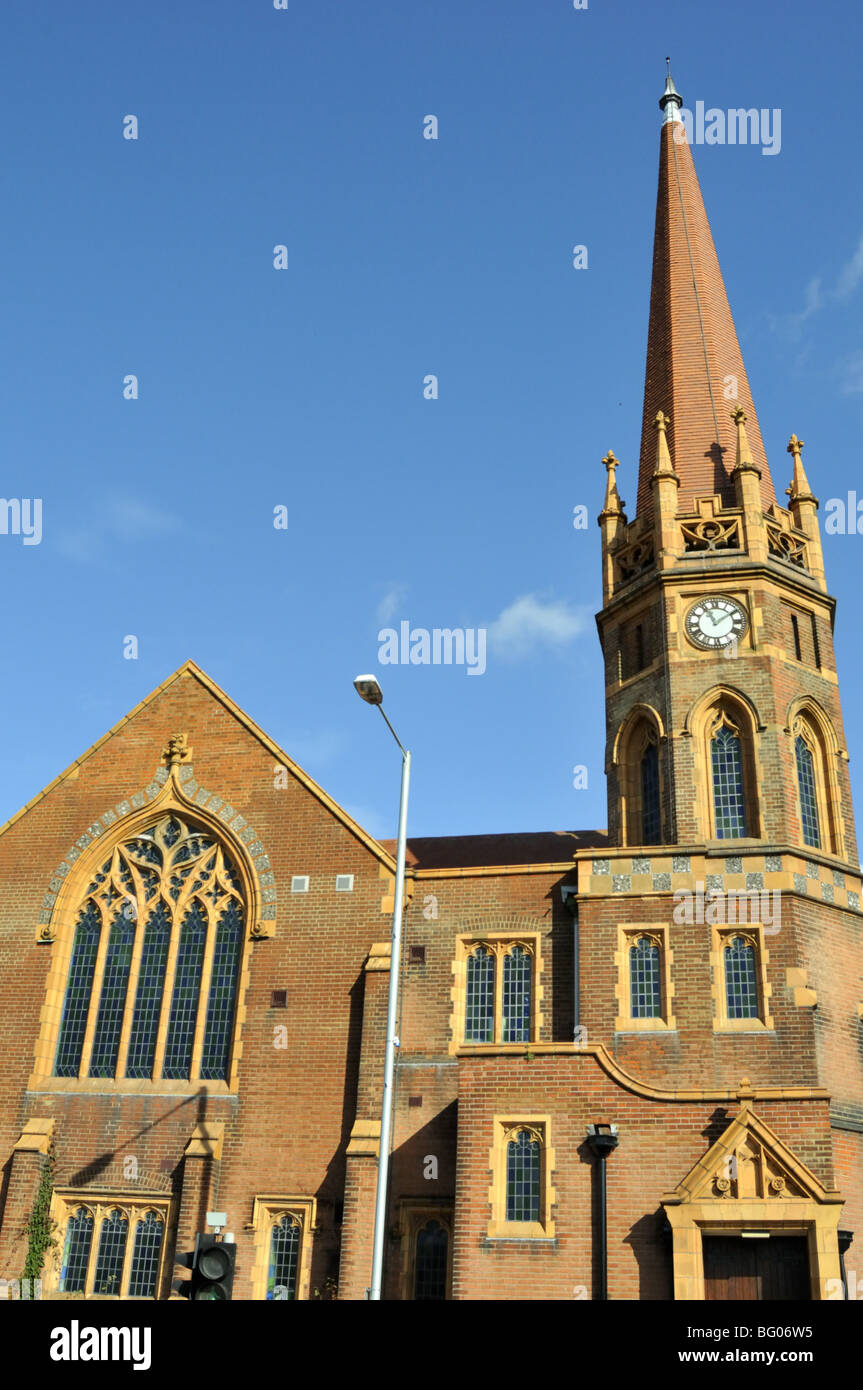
162,912
431,1262
479,1013
284,1259
808,801
78,989
728,797
76,1252
145,1256
516,995
650,800
523,1163
741,979
112,1252
645,979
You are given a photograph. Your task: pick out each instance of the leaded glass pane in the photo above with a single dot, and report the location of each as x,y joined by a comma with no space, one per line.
223,993
516,995
184,1000
645,986
145,1256
76,1252
522,1178
479,1008
650,800
112,1251
741,980
431,1262
284,1259
115,982
76,1004
808,801
728,799
148,996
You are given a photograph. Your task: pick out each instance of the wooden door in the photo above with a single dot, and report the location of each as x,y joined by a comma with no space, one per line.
772,1270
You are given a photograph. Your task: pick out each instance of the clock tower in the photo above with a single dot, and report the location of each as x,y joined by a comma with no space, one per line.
723,712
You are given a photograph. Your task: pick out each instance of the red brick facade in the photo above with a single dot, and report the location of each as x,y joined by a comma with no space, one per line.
726,1124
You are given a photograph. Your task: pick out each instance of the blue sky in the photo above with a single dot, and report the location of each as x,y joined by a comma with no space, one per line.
304,387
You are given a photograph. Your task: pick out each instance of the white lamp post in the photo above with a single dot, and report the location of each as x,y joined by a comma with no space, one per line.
369,690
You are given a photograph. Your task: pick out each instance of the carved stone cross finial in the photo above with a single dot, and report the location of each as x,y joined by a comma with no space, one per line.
177,750
610,461
794,446
661,421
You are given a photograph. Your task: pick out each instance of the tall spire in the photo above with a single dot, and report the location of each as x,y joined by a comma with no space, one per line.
695,371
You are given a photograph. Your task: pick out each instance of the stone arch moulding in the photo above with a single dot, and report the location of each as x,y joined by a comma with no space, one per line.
628,723
750,1180
810,708
739,711
807,716
721,692
173,788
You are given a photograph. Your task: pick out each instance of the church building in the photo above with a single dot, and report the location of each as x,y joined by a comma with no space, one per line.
630,1063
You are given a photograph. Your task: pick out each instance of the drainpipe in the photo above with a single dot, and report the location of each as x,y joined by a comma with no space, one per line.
570,902
602,1140
844,1238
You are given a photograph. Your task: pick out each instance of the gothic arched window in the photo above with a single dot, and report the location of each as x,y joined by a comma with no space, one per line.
729,799
516,996
479,1005
741,978
111,1264
651,817
284,1258
152,983
645,979
76,1252
430,1266
808,796
523,1177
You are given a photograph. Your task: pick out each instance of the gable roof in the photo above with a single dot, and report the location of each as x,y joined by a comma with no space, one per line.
781,1171
191,669
547,847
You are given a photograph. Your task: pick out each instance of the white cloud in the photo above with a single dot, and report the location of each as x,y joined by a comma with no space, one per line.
852,384
531,622
791,324
391,602
851,274
123,519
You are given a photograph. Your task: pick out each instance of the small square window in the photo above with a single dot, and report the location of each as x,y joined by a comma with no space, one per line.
279,999
344,883
300,883
417,955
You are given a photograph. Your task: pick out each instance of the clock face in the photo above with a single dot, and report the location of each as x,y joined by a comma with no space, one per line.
713,623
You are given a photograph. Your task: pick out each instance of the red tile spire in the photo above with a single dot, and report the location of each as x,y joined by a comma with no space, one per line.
695,371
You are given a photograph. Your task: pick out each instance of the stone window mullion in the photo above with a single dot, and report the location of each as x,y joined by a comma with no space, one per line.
131,994
167,994
132,1217
99,1212
203,996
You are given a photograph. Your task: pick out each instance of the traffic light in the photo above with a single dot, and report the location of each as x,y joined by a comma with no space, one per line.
213,1272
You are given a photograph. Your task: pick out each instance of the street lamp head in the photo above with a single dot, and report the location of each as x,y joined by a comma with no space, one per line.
368,689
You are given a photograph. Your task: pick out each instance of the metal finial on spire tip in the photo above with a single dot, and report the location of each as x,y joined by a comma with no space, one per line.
671,98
